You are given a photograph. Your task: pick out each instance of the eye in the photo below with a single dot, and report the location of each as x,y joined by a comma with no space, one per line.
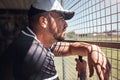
61,18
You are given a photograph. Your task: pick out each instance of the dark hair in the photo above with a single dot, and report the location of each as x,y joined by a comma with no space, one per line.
34,11
33,16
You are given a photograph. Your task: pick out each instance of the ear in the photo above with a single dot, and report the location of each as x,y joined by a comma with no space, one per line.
43,21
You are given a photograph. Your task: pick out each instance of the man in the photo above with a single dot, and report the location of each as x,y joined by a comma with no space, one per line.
32,52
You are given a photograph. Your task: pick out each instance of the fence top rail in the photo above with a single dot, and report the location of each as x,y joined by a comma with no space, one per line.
99,43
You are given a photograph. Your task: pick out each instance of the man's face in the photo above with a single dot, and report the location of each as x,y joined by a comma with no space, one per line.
57,26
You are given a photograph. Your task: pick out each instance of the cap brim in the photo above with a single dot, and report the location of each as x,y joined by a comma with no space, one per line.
67,14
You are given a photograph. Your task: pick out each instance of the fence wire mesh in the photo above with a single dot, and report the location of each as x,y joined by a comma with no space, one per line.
94,20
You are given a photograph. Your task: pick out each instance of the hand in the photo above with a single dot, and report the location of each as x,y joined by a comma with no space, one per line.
81,66
97,60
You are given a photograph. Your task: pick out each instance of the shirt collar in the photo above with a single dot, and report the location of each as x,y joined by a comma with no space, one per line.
30,33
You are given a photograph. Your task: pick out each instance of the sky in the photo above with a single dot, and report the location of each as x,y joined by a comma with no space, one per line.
93,15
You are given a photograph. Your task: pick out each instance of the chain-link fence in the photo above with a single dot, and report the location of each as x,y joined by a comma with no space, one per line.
97,22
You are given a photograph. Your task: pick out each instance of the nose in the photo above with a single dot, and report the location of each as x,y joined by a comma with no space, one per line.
65,24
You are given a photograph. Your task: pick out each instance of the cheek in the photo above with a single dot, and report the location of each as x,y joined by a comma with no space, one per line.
59,30
56,27
52,26
60,27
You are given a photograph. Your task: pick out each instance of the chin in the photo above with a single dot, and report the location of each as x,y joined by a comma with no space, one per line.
60,38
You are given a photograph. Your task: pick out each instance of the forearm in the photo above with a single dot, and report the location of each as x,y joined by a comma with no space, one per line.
81,49
62,49
72,48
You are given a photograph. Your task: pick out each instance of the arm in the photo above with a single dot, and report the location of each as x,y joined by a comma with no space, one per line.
69,48
96,58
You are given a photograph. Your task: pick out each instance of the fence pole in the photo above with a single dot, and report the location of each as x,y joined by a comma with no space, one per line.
63,68
62,3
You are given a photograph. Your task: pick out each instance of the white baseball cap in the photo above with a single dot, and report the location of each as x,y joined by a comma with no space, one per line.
40,6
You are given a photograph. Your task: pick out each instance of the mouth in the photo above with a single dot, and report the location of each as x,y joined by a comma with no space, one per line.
64,29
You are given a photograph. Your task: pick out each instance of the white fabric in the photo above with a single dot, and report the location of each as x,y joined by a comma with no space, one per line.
48,5
52,78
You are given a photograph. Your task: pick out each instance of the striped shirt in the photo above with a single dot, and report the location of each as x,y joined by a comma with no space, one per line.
32,60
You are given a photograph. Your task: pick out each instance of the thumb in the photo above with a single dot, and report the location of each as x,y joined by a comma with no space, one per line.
77,60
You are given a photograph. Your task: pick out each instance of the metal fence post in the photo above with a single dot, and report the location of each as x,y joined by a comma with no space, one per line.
63,68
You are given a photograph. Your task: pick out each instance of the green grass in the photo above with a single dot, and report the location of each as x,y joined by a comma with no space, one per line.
68,71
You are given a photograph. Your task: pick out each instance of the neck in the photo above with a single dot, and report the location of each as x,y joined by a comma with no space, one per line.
45,39
44,36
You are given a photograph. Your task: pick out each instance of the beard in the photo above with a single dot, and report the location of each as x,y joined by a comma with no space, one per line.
57,34
59,37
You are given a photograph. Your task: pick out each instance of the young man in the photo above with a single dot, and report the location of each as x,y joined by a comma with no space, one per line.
32,53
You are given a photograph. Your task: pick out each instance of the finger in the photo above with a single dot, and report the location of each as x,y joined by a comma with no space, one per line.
77,60
108,70
91,66
100,71
91,70
103,72
109,66
84,61
77,63
101,67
